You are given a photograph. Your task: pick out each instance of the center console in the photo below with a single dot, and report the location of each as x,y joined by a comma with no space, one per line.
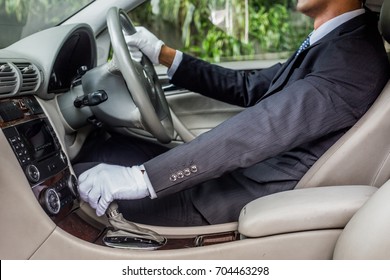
39,153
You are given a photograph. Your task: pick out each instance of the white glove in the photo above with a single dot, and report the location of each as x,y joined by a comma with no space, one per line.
145,41
102,184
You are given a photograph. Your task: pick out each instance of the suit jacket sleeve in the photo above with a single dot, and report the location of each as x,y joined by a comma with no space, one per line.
327,91
242,88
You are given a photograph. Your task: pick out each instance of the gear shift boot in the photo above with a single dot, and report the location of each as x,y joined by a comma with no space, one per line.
125,234
124,240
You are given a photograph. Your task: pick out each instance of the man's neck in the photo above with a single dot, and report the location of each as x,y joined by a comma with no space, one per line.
318,21
332,24
330,14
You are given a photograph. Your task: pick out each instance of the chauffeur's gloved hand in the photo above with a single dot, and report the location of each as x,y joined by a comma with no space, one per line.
102,184
145,41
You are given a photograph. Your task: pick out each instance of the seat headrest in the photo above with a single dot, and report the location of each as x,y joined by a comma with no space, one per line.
384,20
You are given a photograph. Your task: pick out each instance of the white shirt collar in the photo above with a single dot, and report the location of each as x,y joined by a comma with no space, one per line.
332,24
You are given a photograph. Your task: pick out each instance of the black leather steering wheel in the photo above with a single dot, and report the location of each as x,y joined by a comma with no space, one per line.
141,79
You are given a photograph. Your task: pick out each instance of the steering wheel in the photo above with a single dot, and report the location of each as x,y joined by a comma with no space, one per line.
141,79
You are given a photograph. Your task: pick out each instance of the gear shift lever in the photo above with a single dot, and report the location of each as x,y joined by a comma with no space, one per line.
128,235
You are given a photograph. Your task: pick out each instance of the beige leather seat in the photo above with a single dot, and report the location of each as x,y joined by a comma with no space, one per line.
367,234
362,155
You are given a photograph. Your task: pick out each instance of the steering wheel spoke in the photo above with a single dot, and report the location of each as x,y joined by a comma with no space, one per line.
141,79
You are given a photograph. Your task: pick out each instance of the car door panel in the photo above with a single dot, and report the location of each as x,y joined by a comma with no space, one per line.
193,113
199,113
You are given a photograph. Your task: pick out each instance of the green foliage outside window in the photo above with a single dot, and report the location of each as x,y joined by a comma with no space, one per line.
257,27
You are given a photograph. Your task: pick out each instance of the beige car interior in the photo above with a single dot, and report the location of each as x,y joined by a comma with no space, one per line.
339,210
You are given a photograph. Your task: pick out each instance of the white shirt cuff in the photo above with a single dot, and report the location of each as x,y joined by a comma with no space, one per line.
148,183
175,64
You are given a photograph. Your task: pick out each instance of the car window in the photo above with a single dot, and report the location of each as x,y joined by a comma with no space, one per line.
20,18
226,30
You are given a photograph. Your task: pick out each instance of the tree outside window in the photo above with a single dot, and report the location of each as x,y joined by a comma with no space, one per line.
220,30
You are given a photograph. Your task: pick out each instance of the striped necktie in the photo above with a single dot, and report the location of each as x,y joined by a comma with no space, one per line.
305,44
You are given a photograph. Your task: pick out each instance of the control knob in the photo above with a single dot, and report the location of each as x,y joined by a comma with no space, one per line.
50,201
32,173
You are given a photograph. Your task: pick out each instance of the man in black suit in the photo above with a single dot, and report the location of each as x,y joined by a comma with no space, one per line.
296,111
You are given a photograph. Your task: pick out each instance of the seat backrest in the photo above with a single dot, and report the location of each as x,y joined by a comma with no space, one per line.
362,155
367,234
359,157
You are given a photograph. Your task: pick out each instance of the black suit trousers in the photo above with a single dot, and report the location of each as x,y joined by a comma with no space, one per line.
178,209
173,210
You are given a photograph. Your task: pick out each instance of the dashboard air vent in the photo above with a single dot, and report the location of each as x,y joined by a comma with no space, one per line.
8,79
30,77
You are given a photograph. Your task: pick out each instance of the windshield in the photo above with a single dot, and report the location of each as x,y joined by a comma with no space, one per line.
20,18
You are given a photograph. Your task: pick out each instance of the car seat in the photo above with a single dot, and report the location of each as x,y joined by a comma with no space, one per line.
362,155
367,234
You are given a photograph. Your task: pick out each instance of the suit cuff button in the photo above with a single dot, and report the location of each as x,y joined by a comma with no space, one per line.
194,169
180,175
173,178
187,172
